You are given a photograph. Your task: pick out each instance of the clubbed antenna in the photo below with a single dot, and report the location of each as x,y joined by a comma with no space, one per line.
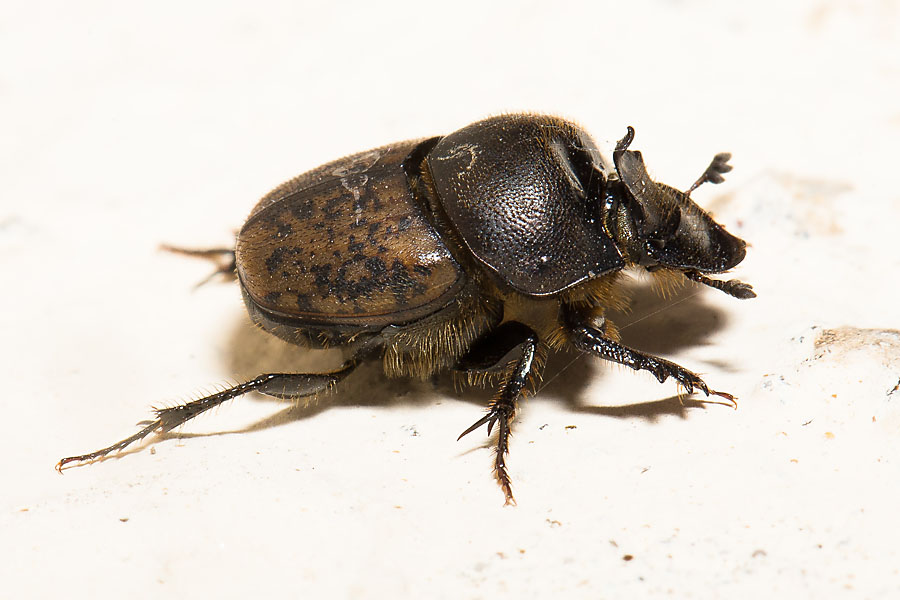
732,287
713,173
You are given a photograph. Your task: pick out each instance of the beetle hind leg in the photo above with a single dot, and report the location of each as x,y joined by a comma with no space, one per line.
278,385
224,259
494,352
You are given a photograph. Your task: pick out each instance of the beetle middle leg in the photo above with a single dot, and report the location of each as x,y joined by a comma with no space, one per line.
587,338
510,339
278,385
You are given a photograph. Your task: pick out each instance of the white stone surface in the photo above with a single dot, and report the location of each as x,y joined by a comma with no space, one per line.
127,125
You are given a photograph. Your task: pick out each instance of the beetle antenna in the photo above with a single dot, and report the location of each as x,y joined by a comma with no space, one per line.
713,173
732,287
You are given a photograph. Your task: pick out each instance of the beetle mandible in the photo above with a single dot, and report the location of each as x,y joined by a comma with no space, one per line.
476,252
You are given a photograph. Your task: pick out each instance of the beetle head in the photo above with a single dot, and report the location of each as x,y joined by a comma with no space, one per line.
660,227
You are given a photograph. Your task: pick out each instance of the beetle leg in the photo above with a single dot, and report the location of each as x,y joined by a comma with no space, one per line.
590,339
502,409
279,385
222,257
495,350
713,173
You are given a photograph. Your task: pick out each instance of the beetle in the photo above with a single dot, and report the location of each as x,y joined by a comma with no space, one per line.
477,252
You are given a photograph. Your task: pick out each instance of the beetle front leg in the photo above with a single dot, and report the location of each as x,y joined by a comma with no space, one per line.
278,385
502,409
588,338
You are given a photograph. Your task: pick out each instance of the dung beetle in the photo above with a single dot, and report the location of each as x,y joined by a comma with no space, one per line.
476,252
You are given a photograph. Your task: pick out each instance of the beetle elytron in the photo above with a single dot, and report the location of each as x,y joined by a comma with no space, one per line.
476,252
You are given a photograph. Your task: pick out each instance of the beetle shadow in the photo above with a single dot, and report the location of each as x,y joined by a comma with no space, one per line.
653,324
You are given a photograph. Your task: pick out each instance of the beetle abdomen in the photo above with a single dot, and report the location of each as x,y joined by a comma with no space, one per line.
346,244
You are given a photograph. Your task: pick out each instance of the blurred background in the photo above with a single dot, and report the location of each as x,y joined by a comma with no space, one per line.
128,125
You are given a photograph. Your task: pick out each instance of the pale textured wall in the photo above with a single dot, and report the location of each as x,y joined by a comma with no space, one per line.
123,127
